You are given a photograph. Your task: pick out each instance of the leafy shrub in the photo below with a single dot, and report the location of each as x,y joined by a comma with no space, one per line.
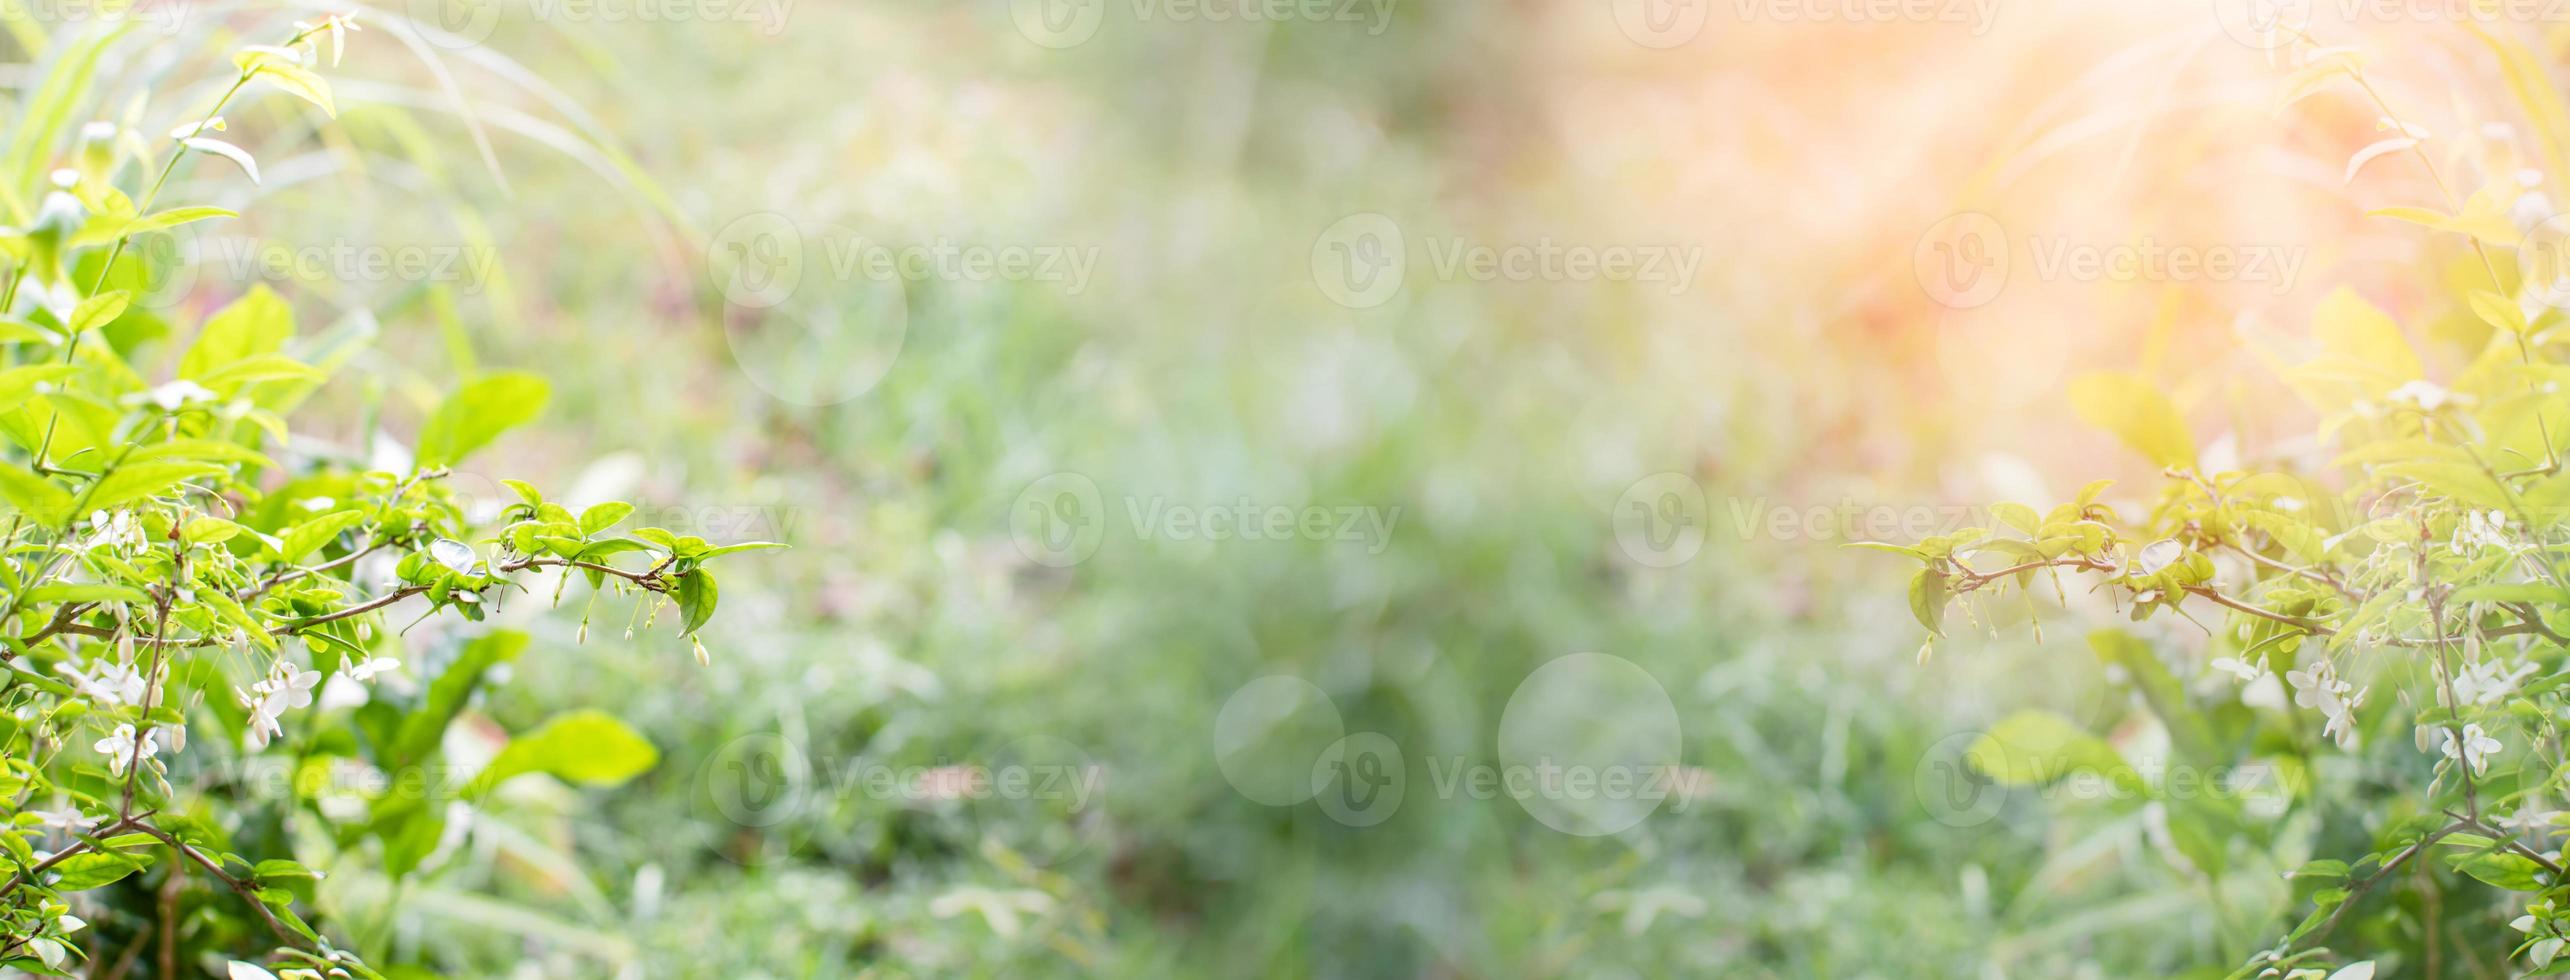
2402,605
192,601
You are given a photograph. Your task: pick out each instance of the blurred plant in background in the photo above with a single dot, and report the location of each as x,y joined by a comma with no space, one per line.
1186,423
2388,619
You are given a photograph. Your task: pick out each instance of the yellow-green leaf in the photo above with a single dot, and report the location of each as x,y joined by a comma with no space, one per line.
2136,413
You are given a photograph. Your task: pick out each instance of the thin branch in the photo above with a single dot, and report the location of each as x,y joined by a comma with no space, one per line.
237,885
2513,844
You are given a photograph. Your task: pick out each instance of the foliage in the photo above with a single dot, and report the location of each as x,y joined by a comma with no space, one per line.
2400,604
195,620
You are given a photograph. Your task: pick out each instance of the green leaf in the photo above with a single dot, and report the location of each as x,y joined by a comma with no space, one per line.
604,516
2499,311
713,553
205,449
2018,516
257,323
175,217
2202,825
135,481
86,592
2550,595
478,413
585,747
448,693
1928,596
2321,871
301,539
19,383
210,530
301,82
279,868
525,491
2348,326
2504,869
98,311
2188,730
2032,748
93,869
2135,412
259,367
696,596
34,496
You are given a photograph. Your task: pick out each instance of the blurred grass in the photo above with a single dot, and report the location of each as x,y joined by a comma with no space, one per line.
1201,365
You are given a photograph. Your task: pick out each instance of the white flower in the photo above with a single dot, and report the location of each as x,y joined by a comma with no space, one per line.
2428,396
376,665
295,686
111,684
119,747
2336,699
2482,529
267,703
2342,722
120,531
2239,668
2474,748
179,394
2481,683
67,818
262,724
